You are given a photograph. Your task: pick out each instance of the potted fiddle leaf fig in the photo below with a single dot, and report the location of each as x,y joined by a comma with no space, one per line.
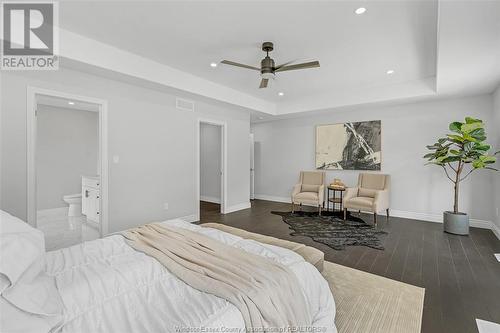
459,154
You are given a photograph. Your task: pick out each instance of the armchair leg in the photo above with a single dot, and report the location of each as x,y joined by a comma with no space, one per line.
387,211
301,209
375,218
293,207
345,214
359,213
319,210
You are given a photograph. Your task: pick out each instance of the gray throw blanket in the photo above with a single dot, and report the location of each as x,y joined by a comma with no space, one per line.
267,293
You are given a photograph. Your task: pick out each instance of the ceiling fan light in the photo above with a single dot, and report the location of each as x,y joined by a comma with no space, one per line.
267,75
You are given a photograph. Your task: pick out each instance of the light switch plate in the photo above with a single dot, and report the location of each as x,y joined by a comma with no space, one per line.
116,159
165,206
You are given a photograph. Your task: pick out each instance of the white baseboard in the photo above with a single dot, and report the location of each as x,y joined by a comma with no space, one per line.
52,212
234,208
277,199
495,229
273,198
210,199
190,218
438,218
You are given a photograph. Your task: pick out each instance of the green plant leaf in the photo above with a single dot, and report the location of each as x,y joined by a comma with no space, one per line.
436,163
487,159
456,138
469,127
455,126
481,147
449,159
478,164
470,120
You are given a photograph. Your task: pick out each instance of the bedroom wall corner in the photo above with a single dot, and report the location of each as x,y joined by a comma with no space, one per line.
496,147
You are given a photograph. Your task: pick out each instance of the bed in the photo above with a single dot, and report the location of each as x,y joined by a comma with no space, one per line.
106,286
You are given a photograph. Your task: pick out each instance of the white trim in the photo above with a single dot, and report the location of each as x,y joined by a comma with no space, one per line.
438,218
31,93
277,199
495,229
52,212
197,197
273,198
190,218
207,198
241,206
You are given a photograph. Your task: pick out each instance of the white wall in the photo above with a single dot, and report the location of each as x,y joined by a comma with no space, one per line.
210,162
285,147
155,142
496,145
67,148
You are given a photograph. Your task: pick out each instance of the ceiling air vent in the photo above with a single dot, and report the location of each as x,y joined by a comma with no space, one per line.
184,104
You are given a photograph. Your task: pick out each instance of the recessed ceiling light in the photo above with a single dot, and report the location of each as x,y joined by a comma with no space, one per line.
390,71
213,64
360,10
71,103
281,93
261,118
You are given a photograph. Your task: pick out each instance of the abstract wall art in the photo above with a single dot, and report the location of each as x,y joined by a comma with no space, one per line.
349,146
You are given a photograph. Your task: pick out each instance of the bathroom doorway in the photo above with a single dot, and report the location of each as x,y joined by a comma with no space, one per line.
67,167
211,167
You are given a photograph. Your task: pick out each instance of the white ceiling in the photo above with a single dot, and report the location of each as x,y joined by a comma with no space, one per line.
355,51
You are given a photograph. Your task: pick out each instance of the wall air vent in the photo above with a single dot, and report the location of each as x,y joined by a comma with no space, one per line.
184,104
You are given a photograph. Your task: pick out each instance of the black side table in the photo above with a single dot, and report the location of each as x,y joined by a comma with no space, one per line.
334,199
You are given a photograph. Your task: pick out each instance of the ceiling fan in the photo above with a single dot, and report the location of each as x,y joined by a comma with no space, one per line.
268,69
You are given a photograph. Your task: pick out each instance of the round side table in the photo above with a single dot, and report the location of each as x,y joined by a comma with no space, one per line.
334,199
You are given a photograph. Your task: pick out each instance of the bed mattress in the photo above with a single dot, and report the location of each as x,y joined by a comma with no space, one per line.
106,286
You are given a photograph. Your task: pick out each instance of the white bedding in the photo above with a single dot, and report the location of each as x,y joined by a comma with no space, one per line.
106,286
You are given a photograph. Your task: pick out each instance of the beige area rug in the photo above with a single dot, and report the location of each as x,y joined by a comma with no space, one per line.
371,303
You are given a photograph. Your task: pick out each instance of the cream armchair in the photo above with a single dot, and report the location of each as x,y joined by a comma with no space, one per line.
371,195
310,190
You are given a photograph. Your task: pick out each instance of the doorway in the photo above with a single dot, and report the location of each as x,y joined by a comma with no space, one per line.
211,166
67,167
252,167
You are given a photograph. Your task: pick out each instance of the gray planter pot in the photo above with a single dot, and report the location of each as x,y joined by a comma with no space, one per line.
457,224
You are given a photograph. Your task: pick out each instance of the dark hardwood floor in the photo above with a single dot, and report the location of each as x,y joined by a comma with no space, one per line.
460,274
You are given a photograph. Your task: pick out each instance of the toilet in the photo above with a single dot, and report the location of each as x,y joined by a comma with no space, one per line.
75,204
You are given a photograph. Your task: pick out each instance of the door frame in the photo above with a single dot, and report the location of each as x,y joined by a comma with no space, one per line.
223,178
31,103
252,166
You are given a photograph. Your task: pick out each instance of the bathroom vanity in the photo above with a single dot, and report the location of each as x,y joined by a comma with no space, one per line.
91,202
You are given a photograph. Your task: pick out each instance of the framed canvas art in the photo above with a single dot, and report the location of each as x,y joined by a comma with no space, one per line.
349,146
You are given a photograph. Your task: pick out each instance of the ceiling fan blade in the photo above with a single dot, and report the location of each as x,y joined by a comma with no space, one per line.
305,65
283,65
232,63
263,83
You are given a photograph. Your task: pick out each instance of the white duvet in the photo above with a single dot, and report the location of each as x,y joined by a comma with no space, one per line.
106,286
